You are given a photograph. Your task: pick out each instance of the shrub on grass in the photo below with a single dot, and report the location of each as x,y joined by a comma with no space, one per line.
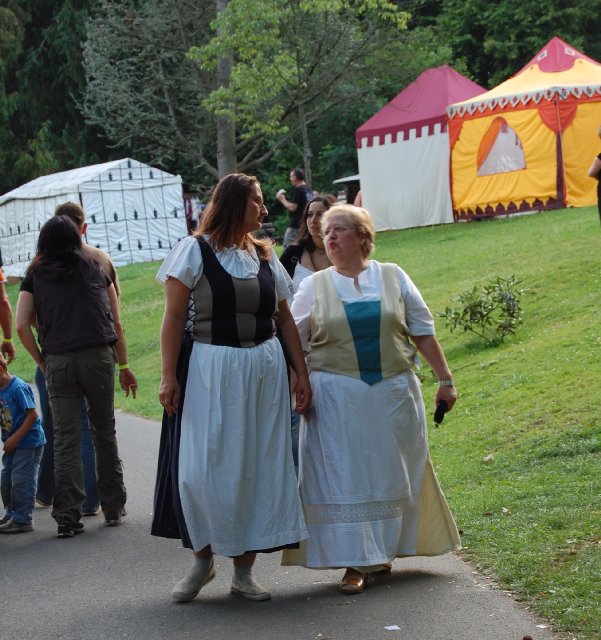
491,311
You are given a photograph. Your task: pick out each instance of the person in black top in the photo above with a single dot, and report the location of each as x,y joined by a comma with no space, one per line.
77,316
594,172
300,196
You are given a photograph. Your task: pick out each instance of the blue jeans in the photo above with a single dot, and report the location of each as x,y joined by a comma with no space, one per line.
88,454
18,482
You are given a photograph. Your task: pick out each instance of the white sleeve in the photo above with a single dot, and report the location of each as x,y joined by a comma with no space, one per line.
183,262
417,315
283,283
301,310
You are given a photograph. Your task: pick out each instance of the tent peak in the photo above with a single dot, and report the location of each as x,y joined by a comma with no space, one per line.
421,103
556,56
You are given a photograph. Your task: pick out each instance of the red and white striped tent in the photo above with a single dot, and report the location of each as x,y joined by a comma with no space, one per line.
403,152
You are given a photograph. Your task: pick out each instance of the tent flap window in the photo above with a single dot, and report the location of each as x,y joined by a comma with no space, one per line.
500,150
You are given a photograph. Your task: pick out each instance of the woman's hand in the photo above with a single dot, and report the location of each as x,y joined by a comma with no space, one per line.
303,394
128,382
169,393
448,394
302,387
432,353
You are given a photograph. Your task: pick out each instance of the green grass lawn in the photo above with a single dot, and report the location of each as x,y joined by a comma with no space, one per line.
532,516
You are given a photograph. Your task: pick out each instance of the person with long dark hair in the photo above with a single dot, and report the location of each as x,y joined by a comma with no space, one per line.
303,258
226,483
76,311
307,254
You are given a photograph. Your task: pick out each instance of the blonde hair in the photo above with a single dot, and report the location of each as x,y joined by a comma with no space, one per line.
3,363
361,221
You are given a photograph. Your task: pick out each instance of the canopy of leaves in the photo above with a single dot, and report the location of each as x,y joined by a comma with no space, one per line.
140,87
495,39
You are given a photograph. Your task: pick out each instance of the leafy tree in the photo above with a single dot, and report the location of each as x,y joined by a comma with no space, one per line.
141,89
495,39
270,70
292,60
332,136
11,42
42,78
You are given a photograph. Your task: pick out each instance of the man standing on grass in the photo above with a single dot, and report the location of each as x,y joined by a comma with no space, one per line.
300,196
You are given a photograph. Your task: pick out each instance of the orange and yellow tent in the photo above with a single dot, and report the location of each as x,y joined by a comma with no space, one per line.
528,143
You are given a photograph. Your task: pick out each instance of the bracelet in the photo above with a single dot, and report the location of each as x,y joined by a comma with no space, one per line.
123,367
446,383
7,340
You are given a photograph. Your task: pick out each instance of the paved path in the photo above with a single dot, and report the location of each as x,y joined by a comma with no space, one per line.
114,583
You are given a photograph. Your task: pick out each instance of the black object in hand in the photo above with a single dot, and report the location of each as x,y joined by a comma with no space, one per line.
441,409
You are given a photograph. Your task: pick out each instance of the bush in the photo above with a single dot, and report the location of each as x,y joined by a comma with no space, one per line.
491,312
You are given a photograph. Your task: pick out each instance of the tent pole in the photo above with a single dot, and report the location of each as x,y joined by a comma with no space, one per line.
559,157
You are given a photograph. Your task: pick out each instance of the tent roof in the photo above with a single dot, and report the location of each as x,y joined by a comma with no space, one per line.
557,69
86,179
422,103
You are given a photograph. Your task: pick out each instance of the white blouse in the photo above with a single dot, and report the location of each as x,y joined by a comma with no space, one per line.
184,262
418,318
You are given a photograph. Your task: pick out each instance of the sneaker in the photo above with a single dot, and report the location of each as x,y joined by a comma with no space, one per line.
113,520
42,504
249,588
15,527
189,587
92,512
5,518
68,529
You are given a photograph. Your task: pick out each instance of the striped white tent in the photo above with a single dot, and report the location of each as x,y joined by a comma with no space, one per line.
135,212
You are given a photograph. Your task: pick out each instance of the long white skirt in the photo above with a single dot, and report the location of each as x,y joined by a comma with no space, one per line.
237,482
367,483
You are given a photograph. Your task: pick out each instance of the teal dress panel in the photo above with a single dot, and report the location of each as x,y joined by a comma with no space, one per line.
364,320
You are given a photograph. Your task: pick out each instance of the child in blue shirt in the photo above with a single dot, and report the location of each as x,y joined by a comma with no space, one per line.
24,441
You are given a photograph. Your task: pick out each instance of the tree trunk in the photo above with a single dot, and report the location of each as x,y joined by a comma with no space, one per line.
306,145
226,129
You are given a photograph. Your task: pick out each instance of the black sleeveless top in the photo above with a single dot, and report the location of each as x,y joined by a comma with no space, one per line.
233,312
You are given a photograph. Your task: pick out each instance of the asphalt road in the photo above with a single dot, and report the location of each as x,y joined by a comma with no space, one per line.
115,583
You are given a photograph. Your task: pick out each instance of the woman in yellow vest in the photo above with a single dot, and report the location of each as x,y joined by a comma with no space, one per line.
368,487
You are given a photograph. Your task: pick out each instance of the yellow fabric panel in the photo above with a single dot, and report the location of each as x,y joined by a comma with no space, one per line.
436,530
537,180
580,146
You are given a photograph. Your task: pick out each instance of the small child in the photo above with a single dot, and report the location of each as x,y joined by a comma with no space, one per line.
24,442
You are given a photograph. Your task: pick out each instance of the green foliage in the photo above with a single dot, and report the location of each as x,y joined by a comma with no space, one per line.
291,54
41,80
495,39
143,92
38,158
491,311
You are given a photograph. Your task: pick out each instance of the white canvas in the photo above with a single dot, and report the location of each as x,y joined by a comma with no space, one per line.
135,212
406,183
